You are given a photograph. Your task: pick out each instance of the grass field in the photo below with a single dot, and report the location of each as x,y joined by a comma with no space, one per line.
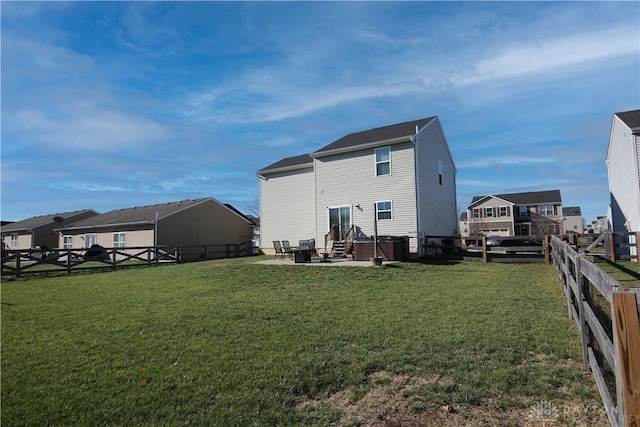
233,343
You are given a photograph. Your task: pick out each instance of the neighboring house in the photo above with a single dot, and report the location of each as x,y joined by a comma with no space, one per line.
623,164
39,230
516,214
402,176
188,223
572,220
463,225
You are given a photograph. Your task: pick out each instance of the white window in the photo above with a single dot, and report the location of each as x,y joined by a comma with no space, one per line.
476,213
383,161
545,210
504,211
383,210
14,240
523,211
488,212
67,242
119,240
90,240
440,171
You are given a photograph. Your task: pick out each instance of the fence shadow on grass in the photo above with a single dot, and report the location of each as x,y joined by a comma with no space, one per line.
622,268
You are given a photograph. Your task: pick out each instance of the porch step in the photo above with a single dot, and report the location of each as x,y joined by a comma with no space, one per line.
338,249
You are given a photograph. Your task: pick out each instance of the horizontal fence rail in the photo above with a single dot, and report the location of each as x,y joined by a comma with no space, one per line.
606,316
37,261
512,249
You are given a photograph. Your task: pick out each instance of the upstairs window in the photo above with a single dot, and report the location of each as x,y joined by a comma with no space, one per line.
476,213
523,211
545,210
119,240
488,212
383,161
384,210
504,211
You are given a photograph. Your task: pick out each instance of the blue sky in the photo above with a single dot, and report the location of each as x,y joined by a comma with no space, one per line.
121,104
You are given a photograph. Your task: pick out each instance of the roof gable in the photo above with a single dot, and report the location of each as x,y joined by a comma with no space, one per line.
137,215
631,119
288,163
571,211
39,221
385,133
529,198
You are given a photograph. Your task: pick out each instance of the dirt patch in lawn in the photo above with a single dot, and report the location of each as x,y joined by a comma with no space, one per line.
394,401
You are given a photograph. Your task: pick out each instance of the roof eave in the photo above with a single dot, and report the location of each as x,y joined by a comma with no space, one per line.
122,224
264,172
359,147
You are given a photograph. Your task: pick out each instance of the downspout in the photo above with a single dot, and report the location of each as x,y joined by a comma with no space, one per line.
155,231
417,192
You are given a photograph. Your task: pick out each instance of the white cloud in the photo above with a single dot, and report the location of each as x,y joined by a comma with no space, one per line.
86,129
554,53
504,161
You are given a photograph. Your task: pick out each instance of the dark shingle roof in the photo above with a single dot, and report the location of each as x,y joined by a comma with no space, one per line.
532,197
288,163
136,215
630,118
571,211
38,221
406,129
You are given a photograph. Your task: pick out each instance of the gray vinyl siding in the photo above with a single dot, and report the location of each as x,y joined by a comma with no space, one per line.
437,203
350,179
287,207
623,177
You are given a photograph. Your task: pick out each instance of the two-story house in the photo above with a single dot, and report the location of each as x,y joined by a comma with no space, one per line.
572,219
398,178
623,165
516,214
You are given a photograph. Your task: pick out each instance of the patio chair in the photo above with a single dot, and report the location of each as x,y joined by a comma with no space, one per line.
287,249
279,251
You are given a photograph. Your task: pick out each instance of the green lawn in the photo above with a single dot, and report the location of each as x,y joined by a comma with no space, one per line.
233,343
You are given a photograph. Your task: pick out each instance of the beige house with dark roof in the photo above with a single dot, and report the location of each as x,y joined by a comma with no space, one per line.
401,176
572,220
187,223
532,213
39,230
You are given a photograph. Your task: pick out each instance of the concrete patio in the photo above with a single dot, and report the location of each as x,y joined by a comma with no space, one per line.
319,262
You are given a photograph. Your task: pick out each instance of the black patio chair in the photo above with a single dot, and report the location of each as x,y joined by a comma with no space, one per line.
287,249
279,251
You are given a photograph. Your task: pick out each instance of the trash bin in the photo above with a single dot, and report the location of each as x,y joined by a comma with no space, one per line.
302,255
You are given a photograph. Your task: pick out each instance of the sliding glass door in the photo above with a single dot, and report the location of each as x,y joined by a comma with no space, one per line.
340,216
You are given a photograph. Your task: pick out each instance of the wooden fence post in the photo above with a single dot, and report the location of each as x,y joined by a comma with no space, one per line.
638,245
547,252
627,341
581,321
612,248
485,257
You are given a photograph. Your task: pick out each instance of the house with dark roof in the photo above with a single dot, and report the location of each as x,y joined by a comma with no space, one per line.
39,230
516,214
623,165
572,220
193,222
398,178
